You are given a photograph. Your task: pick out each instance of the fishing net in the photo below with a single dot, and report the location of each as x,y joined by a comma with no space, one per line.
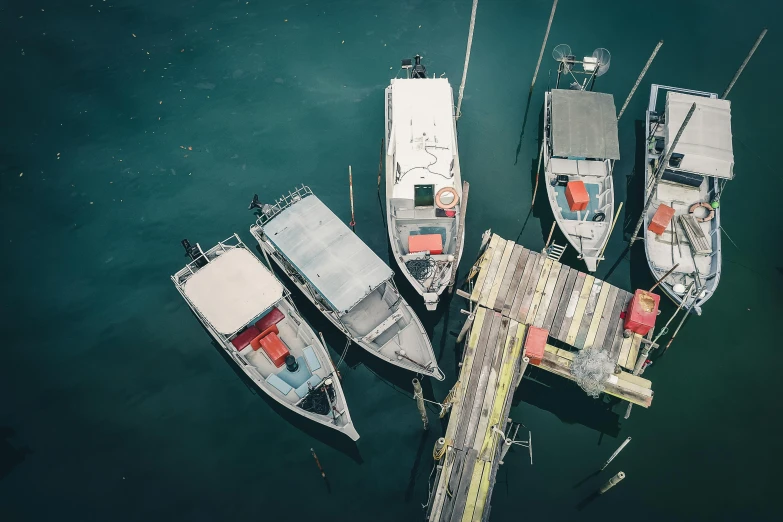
590,369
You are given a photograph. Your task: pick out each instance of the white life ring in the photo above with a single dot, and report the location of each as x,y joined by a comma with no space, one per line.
439,201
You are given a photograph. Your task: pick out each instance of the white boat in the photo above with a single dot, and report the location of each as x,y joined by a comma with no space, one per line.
691,184
340,275
580,146
423,184
249,313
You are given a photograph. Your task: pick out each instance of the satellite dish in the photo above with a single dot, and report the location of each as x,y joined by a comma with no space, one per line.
562,53
604,58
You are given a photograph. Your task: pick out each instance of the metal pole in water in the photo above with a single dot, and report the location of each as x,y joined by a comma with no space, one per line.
617,452
742,67
318,463
350,188
611,483
659,173
639,80
418,394
467,59
543,44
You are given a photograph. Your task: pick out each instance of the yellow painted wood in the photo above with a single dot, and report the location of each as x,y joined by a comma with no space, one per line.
599,310
473,491
493,294
576,322
635,379
633,352
492,271
627,386
546,298
486,259
625,348
483,493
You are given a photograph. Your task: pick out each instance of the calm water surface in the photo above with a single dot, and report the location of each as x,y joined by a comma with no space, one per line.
131,124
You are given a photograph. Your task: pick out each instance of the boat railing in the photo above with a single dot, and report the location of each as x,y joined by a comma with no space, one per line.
270,211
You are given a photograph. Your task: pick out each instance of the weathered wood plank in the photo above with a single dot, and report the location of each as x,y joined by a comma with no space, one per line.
606,319
635,379
573,300
499,275
587,318
562,305
515,281
557,294
532,260
485,261
483,494
633,352
580,310
625,348
531,288
538,293
451,485
461,492
503,290
552,291
617,340
598,315
473,491
614,321
492,271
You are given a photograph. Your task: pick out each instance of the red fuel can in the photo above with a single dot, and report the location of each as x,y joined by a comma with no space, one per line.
642,312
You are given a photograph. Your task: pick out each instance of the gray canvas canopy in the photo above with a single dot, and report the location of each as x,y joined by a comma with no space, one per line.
331,257
584,125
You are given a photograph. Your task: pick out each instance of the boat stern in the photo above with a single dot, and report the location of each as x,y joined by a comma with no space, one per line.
592,263
431,300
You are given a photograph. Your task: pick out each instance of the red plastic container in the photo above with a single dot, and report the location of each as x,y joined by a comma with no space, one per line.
432,243
577,196
535,344
275,349
660,221
642,311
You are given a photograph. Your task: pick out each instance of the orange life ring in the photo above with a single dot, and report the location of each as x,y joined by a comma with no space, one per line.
446,190
710,212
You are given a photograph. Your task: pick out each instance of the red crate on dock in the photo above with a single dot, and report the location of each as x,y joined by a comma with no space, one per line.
535,344
642,311
577,196
660,221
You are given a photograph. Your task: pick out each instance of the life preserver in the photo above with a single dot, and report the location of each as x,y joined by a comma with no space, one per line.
446,190
710,212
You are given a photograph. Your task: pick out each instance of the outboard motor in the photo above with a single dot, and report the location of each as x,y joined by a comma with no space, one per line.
291,364
194,252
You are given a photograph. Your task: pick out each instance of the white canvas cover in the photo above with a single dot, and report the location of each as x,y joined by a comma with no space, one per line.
332,258
232,289
584,125
706,141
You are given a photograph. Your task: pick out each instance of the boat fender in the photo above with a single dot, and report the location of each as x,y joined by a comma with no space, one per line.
599,216
710,211
439,198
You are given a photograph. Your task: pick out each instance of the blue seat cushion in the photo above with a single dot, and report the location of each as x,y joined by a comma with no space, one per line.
311,358
282,386
297,378
303,389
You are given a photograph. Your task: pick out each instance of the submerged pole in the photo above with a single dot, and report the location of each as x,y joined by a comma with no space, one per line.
466,327
742,67
659,173
467,59
639,79
611,483
318,463
617,452
543,45
684,317
350,188
418,394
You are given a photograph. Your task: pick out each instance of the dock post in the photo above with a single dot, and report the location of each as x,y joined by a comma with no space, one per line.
350,188
466,327
611,483
659,174
742,67
418,394
467,59
639,80
440,448
543,45
617,452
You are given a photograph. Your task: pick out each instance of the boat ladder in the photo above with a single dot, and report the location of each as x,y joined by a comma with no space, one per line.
555,251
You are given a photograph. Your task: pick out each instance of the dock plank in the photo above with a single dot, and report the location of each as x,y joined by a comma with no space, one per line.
579,313
514,281
570,309
483,494
532,260
598,315
461,491
509,273
633,352
486,259
625,348
548,309
587,318
499,275
492,271
538,293
619,302
527,299
546,296
618,338
606,319
473,491
562,304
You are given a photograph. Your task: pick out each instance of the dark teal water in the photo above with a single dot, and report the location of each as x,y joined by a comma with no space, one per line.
114,404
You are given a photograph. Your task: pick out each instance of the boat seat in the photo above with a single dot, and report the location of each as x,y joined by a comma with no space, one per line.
282,386
275,349
245,338
273,317
302,390
312,360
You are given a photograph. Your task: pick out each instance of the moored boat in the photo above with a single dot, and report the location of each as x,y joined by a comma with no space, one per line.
249,313
346,280
424,206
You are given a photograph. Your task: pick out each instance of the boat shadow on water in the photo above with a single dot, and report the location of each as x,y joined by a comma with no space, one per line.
11,455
